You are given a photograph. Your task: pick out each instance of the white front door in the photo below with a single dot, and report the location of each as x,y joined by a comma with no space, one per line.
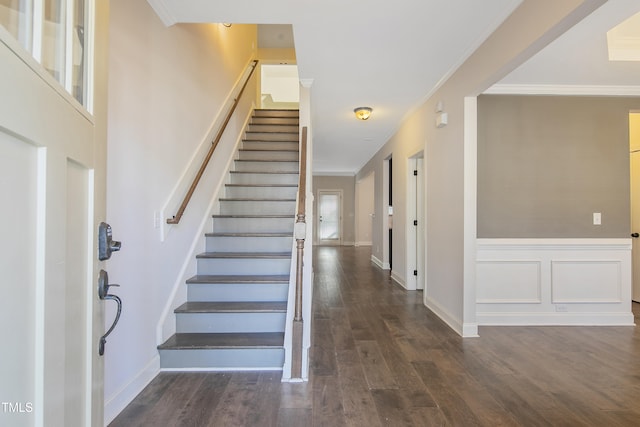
329,217
52,166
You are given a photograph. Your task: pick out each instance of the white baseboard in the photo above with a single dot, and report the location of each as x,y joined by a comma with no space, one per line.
398,279
555,319
380,264
453,322
115,404
364,243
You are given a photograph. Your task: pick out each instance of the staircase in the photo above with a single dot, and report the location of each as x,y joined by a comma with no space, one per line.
234,317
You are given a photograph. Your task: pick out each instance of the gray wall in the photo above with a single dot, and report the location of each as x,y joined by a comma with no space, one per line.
546,164
348,186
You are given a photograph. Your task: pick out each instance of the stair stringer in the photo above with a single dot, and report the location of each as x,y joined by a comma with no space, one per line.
167,322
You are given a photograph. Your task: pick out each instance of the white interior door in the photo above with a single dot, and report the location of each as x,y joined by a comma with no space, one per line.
420,236
634,144
52,188
415,224
330,217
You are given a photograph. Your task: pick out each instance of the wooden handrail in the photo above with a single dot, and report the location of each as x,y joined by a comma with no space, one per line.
176,218
300,232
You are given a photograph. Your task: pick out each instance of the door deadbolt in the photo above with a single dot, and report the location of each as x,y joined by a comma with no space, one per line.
106,244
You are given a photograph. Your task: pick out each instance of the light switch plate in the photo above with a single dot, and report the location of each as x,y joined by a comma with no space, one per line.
597,218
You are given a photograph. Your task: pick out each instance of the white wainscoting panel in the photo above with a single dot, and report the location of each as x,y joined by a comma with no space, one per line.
508,281
553,282
586,281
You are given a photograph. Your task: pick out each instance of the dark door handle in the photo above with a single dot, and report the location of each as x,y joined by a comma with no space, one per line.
103,293
636,235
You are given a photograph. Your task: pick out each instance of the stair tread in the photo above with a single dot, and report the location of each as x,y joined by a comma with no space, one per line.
273,150
223,340
248,234
245,255
266,160
225,278
263,185
268,172
251,216
255,199
232,307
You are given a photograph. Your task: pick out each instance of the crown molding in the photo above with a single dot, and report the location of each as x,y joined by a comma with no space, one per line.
163,11
565,90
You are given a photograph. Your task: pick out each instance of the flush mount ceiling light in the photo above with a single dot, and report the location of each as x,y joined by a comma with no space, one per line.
227,24
363,113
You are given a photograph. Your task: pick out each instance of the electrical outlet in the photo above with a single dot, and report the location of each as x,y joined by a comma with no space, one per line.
562,308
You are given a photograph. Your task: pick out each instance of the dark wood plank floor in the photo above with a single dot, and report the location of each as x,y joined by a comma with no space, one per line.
380,358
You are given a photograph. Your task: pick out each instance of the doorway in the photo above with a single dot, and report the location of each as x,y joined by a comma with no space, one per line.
330,217
279,87
388,183
365,210
634,148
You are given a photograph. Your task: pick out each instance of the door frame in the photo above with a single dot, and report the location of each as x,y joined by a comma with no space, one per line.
338,241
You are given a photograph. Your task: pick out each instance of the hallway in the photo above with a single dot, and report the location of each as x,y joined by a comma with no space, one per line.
380,358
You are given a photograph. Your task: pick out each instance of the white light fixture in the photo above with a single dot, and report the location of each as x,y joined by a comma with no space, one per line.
441,120
363,113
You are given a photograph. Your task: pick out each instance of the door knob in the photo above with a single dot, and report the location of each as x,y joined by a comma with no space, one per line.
635,235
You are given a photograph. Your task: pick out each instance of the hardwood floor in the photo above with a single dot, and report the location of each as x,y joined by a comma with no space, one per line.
380,358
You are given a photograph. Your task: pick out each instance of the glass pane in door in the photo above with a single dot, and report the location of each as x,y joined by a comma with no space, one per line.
53,39
79,54
329,217
15,17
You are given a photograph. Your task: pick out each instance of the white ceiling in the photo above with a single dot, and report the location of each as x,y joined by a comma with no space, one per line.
392,55
577,61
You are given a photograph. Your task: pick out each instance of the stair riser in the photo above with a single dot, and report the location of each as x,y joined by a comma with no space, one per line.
275,121
222,359
242,207
229,322
262,192
241,266
271,136
237,292
269,155
270,145
258,166
264,178
276,113
248,244
255,127
250,225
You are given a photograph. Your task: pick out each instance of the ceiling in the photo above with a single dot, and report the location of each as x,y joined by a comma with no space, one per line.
392,56
577,61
